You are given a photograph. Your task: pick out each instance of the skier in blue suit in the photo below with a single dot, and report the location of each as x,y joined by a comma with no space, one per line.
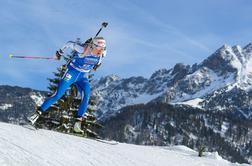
86,58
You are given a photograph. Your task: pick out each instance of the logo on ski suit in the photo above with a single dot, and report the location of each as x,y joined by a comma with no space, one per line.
67,77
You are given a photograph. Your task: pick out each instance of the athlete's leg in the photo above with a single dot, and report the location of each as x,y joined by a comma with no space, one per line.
84,88
67,80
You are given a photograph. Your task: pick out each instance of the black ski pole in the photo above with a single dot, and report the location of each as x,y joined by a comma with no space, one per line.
104,25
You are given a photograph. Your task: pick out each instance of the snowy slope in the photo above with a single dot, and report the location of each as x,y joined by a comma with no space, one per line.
24,147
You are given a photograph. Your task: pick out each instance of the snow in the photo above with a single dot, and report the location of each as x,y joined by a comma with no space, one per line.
145,98
242,62
224,128
37,98
23,147
194,102
5,106
216,83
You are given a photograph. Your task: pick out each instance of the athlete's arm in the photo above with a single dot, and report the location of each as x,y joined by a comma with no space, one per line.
74,46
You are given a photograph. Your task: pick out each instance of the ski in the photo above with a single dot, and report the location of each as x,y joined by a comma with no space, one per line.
29,126
109,142
34,127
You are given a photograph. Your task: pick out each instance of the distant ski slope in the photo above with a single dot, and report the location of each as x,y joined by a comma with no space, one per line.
23,147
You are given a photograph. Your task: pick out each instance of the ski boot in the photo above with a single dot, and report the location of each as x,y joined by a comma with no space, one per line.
77,125
32,118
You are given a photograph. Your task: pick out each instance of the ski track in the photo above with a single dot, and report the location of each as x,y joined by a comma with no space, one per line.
24,147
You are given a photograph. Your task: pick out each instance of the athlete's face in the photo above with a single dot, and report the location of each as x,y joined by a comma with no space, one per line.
97,50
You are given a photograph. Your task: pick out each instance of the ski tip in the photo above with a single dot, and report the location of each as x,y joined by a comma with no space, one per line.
10,55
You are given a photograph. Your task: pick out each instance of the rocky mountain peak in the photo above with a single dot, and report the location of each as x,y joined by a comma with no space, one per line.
248,47
225,60
160,73
178,68
108,79
248,50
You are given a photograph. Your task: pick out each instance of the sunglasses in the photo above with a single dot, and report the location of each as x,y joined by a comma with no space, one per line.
99,47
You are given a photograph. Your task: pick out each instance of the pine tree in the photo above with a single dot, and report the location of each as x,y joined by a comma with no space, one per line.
61,115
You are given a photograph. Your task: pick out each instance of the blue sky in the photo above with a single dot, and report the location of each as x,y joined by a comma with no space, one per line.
142,36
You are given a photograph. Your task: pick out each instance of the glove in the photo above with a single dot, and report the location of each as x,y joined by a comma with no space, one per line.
58,54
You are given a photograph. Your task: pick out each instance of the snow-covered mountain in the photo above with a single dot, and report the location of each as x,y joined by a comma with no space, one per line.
17,102
24,147
224,78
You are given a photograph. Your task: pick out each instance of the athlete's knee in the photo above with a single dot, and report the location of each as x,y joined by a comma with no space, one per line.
86,97
57,95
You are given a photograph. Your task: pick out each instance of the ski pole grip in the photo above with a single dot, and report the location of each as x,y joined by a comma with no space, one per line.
104,24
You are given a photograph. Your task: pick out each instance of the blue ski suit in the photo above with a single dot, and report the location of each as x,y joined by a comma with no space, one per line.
76,73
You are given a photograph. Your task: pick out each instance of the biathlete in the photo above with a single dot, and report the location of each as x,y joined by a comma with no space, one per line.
87,56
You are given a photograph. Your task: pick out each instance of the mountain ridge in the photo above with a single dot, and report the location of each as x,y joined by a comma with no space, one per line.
227,68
